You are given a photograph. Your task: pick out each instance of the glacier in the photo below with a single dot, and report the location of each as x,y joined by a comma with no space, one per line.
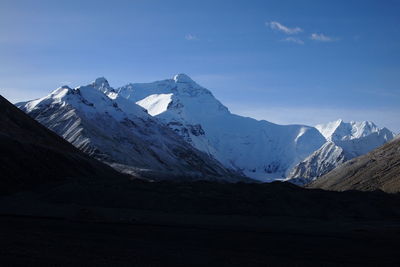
260,149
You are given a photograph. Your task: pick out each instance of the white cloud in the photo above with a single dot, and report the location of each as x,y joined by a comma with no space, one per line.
294,40
191,37
321,37
280,27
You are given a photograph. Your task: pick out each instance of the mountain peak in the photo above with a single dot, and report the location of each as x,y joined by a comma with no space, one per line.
340,130
101,83
65,87
182,78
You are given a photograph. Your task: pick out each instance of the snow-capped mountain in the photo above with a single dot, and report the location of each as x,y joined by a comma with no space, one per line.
356,138
176,126
260,149
344,142
115,130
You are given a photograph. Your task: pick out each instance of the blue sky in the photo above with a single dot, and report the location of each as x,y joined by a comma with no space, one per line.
284,61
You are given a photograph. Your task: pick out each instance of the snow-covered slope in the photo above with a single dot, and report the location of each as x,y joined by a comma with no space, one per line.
340,130
317,164
164,126
115,130
261,149
344,142
356,138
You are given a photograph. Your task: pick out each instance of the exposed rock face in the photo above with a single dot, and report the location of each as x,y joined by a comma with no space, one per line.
119,132
344,142
377,170
318,163
31,155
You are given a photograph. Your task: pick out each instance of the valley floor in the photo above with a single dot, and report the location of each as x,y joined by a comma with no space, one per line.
44,241
134,223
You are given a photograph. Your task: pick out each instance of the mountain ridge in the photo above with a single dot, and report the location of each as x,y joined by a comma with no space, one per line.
194,113
32,155
260,150
120,133
344,142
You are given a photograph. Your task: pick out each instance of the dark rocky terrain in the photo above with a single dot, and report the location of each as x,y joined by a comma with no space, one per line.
198,224
61,207
377,170
32,155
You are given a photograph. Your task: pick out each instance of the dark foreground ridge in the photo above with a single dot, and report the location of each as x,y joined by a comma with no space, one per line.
60,207
31,155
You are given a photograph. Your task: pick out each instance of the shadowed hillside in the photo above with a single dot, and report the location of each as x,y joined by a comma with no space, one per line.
377,170
32,155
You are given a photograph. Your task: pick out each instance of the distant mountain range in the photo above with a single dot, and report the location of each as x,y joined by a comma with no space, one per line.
176,128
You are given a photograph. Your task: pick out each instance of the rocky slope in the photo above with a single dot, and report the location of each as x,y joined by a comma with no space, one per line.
121,133
31,155
377,170
344,142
